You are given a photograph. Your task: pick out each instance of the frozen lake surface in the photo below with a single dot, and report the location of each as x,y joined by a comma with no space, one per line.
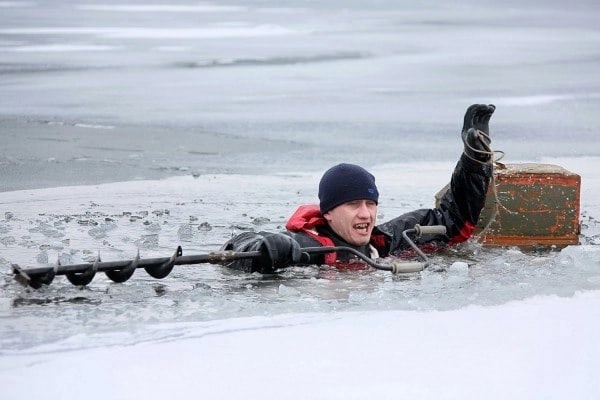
537,348
147,125
145,90
476,313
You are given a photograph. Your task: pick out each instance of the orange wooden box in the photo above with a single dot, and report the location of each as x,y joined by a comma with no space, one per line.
538,205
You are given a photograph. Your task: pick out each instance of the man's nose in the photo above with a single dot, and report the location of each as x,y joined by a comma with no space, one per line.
363,209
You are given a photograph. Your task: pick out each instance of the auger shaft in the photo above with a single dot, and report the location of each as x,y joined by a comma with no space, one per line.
103,266
120,271
160,267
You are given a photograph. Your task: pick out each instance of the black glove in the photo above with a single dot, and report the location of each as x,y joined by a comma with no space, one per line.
476,131
278,251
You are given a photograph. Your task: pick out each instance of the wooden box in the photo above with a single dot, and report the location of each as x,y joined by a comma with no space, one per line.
538,206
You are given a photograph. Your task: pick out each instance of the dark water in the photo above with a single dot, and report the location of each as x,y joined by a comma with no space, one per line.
109,91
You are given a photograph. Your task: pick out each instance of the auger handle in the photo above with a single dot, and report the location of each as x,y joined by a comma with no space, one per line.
429,230
407,267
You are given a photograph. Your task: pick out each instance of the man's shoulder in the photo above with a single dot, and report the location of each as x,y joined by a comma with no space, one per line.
306,217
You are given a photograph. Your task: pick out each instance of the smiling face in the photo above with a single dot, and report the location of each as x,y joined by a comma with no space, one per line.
353,221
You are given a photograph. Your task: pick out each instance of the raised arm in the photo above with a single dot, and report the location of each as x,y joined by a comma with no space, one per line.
461,205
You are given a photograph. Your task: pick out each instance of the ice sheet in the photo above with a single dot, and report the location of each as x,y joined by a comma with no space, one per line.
543,347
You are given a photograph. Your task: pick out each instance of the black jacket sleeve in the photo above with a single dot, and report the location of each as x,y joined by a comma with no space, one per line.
458,210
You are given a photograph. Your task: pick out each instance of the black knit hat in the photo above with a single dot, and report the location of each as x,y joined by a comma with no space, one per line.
346,182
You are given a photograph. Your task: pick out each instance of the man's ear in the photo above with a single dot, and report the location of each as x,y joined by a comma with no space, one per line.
327,216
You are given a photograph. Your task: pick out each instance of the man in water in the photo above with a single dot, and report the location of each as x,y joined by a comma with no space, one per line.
346,214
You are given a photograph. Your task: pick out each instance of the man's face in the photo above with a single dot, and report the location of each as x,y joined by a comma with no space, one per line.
353,221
